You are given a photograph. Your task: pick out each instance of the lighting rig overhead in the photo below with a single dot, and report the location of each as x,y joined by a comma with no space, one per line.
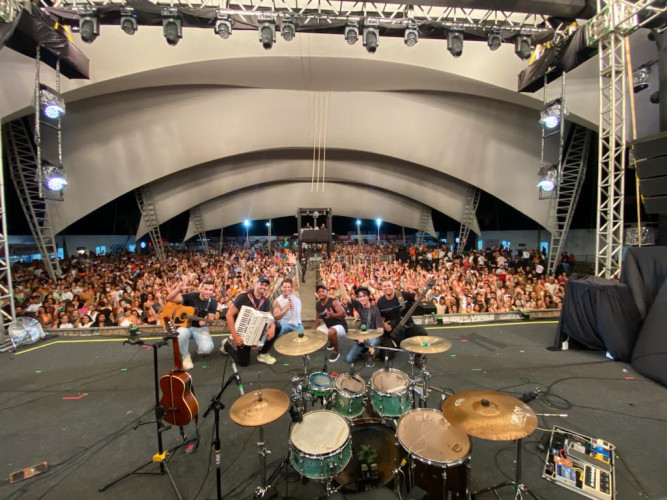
172,26
128,20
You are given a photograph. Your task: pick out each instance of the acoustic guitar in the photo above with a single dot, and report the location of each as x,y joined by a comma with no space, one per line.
178,400
181,315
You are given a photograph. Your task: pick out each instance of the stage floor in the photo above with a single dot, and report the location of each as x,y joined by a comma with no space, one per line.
74,403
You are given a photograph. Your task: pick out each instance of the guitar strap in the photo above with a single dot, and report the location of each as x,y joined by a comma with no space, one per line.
252,299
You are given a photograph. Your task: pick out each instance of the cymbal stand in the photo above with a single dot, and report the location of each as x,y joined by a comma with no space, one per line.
261,490
520,489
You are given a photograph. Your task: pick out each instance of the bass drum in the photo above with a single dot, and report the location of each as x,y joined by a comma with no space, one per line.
434,455
374,455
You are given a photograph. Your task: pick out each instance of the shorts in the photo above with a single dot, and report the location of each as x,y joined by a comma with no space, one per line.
340,329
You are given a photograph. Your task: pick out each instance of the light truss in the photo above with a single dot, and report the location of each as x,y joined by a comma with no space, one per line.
146,204
424,219
198,221
6,287
473,196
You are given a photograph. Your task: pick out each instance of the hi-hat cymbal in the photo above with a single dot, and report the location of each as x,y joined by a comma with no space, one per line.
291,344
259,407
490,415
424,344
364,335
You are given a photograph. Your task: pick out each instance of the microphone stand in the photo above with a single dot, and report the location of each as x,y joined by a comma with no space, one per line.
216,406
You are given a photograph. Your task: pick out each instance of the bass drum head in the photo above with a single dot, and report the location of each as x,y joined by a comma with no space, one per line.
426,434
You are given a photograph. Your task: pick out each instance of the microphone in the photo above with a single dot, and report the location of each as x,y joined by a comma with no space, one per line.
527,397
237,377
295,414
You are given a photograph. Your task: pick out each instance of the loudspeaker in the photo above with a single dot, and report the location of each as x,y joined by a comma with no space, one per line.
651,155
425,308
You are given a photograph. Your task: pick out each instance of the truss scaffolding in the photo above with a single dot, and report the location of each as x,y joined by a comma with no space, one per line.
424,219
198,222
149,213
469,213
7,309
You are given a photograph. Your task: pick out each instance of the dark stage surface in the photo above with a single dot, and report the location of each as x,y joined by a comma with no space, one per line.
89,441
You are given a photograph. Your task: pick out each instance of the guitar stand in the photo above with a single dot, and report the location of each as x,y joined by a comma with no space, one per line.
161,456
519,488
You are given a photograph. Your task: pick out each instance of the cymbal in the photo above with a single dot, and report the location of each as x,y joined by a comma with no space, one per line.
424,344
367,335
259,407
291,344
490,415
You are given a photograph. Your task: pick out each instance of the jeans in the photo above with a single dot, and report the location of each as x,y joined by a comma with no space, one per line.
358,349
201,337
286,328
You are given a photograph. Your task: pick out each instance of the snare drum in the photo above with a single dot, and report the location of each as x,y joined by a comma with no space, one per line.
320,384
349,392
390,392
320,446
437,454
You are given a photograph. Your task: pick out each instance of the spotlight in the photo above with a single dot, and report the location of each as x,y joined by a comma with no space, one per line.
246,223
53,177
494,41
640,79
371,37
267,34
223,27
655,97
128,20
522,47
352,33
552,114
89,28
172,27
455,43
358,222
378,222
547,178
288,29
411,35
52,103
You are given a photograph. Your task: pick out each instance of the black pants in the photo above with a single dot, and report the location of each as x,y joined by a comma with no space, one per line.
241,354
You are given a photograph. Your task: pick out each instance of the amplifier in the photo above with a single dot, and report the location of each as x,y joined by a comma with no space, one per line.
651,155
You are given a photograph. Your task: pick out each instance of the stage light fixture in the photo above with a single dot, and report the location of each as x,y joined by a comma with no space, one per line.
547,178
288,29
53,177
640,79
223,27
89,27
371,39
352,33
552,114
494,41
522,47
51,103
172,26
455,42
128,20
411,35
267,33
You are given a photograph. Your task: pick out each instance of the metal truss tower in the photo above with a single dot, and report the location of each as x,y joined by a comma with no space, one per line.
6,287
568,189
26,177
469,212
424,219
147,208
198,222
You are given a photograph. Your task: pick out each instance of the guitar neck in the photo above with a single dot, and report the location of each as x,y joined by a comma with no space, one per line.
178,363
413,307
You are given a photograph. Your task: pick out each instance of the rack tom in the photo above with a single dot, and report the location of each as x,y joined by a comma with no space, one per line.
390,392
349,395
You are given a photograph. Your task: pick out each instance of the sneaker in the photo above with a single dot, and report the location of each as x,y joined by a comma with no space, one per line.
334,357
223,346
370,362
187,363
330,347
266,358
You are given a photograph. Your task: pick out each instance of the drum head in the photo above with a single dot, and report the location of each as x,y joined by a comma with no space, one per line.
320,433
350,384
320,379
425,433
390,381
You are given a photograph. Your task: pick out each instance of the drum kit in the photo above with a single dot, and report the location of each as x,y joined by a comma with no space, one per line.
364,436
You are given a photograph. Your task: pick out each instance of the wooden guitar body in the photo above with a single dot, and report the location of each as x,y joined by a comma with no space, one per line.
178,400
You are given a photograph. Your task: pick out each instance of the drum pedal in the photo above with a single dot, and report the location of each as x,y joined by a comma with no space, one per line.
417,493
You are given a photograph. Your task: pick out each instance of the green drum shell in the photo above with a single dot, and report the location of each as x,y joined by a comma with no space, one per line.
347,403
319,389
390,404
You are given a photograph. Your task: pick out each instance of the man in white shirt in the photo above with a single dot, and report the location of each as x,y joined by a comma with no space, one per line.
287,309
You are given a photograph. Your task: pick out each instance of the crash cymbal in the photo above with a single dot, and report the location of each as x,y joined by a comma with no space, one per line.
490,415
364,335
291,344
423,344
259,407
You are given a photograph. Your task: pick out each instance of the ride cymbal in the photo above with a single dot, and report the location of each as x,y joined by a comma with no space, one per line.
490,415
367,335
291,344
259,407
423,344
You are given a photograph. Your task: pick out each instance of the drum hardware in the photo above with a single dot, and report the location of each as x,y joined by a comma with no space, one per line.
423,344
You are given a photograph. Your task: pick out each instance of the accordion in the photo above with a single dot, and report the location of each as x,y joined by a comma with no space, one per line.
251,325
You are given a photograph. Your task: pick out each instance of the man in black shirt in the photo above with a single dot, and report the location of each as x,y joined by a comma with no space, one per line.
393,307
255,298
205,307
330,312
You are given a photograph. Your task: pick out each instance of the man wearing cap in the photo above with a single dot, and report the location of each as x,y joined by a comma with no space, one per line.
370,318
255,298
330,312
